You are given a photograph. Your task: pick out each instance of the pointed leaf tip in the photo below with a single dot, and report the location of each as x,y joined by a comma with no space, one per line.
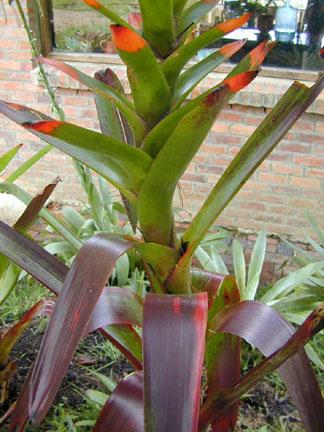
258,54
47,127
237,82
93,3
229,49
126,39
232,24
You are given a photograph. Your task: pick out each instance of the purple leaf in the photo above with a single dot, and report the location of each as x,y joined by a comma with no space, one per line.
173,344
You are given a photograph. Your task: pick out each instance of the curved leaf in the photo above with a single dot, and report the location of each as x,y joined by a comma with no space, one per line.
123,166
173,367
173,65
81,291
290,107
255,266
276,339
123,411
116,306
151,93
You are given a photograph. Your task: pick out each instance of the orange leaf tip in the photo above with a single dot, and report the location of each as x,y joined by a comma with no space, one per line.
231,48
46,127
93,3
239,81
126,39
233,23
258,54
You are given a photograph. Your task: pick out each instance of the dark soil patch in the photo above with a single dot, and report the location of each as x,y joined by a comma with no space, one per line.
264,406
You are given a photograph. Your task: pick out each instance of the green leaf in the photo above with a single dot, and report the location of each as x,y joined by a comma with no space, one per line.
319,232
286,285
150,90
188,80
155,209
23,168
123,166
158,136
255,266
97,396
7,157
107,92
158,24
112,121
173,65
75,220
107,382
178,6
265,138
239,266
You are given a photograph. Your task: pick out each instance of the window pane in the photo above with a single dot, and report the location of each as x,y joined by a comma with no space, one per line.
78,28
296,25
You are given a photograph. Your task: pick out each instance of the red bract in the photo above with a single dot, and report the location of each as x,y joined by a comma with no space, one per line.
192,321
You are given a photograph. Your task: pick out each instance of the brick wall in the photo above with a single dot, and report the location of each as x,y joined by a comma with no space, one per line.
289,182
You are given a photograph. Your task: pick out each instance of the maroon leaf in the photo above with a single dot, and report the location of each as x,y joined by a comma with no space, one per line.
173,345
81,290
116,306
34,207
123,411
275,338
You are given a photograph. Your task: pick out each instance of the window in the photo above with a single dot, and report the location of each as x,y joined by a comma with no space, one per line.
296,25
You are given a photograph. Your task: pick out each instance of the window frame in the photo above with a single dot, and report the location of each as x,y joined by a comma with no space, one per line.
40,14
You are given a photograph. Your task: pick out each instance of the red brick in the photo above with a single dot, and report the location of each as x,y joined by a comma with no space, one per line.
296,148
306,183
271,178
309,161
287,169
242,129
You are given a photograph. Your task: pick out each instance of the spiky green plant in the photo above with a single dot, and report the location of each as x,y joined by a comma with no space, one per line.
190,317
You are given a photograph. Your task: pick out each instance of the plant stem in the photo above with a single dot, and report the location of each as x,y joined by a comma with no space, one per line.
36,52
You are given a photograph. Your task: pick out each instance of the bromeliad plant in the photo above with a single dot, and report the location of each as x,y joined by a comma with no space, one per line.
190,318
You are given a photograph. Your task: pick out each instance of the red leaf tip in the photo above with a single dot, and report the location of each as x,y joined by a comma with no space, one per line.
126,39
258,54
234,23
93,3
239,81
46,127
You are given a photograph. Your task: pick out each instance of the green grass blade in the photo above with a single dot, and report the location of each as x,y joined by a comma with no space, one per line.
7,157
255,266
239,267
22,169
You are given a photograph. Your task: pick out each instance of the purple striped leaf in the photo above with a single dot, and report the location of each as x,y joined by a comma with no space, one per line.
173,345
81,290
265,328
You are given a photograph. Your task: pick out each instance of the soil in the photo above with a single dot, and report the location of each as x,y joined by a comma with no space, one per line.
264,406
